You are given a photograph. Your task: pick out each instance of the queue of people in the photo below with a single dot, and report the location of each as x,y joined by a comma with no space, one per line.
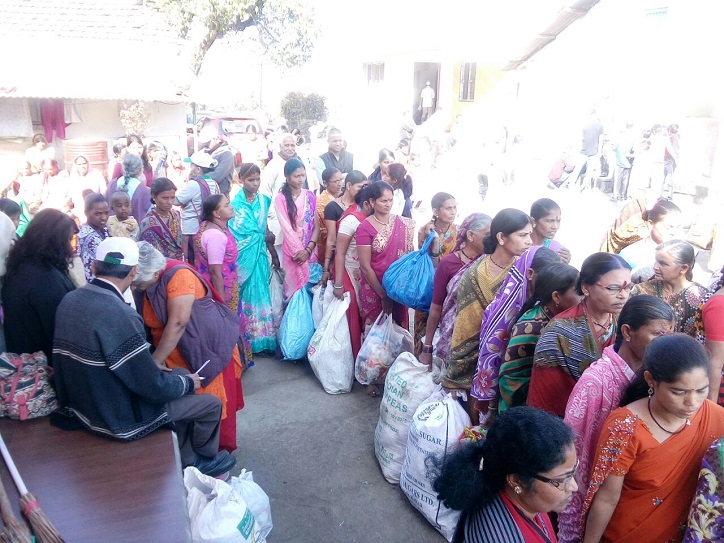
588,385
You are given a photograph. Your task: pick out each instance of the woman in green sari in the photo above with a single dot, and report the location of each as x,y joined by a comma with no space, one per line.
249,227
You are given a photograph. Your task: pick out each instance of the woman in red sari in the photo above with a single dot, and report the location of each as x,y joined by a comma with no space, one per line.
648,456
382,238
347,274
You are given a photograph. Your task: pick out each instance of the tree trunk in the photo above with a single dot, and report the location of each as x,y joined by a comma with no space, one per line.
203,48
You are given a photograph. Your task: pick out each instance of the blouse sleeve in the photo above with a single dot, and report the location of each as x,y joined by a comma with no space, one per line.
182,283
214,244
442,278
332,211
365,234
349,226
713,317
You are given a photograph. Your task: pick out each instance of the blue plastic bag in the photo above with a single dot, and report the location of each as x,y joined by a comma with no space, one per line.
297,326
409,280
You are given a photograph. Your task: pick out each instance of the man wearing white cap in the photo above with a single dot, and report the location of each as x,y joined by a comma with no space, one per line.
106,379
222,153
200,186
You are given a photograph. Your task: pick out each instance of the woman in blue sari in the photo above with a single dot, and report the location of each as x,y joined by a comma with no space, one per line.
249,227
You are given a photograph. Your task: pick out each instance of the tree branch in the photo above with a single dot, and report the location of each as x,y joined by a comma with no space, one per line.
243,25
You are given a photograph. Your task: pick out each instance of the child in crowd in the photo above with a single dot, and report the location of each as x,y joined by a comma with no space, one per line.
121,223
11,209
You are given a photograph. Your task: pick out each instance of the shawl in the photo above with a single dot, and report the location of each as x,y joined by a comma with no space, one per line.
514,377
596,394
167,238
684,303
498,319
449,312
659,478
296,238
706,516
476,291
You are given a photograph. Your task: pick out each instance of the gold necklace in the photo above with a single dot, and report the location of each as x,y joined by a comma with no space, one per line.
380,222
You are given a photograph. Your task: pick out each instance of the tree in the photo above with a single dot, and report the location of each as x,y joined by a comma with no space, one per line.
303,110
286,28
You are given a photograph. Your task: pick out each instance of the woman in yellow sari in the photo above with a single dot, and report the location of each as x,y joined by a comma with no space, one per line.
509,237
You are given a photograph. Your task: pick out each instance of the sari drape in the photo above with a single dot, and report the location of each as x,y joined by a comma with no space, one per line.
167,238
596,394
476,291
352,276
296,239
498,318
706,516
449,312
684,303
391,242
249,227
659,478
322,200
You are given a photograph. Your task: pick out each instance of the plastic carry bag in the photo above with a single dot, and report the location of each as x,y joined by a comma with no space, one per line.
409,280
276,289
257,501
297,326
385,341
330,350
218,514
434,433
407,385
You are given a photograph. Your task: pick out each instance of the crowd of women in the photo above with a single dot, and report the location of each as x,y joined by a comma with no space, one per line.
597,388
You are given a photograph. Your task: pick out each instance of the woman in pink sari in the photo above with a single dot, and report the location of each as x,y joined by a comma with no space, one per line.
296,209
599,390
382,238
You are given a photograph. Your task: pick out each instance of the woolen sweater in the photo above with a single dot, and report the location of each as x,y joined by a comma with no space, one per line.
104,373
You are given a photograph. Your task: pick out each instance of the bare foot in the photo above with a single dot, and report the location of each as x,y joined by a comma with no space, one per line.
373,390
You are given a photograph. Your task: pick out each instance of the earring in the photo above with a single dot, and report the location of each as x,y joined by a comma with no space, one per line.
585,293
651,392
517,489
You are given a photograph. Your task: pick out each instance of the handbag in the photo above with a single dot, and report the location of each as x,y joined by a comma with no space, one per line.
25,389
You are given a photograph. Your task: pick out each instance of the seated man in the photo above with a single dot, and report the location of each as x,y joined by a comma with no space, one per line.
106,379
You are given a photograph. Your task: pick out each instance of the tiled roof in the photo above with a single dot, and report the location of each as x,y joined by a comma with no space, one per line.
89,49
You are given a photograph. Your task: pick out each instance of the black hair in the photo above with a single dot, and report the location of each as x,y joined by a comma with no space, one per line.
363,195
209,205
403,181
598,265
46,242
248,169
161,184
660,210
327,175
106,269
667,358
543,258
523,441
682,252
353,178
286,190
118,149
144,155
118,194
640,311
91,199
385,153
541,208
378,188
505,222
438,200
555,277
9,207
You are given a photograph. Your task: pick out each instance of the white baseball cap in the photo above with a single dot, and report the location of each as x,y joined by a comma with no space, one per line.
118,251
203,159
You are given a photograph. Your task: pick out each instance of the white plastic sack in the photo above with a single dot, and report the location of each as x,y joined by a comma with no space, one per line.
407,385
217,513
328,296
317,309
257,501
276,289
434,433
385,341
330,350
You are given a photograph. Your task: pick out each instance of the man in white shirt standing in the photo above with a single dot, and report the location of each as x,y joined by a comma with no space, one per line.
427,102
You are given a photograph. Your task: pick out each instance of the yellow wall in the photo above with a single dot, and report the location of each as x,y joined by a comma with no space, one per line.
486,78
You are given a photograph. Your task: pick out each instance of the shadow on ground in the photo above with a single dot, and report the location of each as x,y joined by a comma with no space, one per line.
313,454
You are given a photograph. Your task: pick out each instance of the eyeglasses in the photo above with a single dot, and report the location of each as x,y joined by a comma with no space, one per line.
616,289
560,484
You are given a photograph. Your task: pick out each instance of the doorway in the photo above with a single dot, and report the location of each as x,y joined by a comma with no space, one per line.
424,72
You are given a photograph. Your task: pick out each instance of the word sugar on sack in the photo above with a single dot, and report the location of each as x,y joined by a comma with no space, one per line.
407,385
436,426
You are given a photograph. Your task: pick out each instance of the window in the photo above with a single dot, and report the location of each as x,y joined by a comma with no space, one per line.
375,73
467,82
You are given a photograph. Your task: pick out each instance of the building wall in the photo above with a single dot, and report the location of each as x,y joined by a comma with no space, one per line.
486,79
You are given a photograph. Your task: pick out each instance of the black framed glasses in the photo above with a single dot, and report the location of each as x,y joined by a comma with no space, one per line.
560,484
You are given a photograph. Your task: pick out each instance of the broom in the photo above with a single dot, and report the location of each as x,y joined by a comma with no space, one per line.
43,529
15,530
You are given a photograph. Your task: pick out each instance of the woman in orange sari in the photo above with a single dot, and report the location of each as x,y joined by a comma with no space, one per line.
648,456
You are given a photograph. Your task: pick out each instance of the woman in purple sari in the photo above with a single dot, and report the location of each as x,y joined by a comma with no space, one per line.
498,319
382,238
162,226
